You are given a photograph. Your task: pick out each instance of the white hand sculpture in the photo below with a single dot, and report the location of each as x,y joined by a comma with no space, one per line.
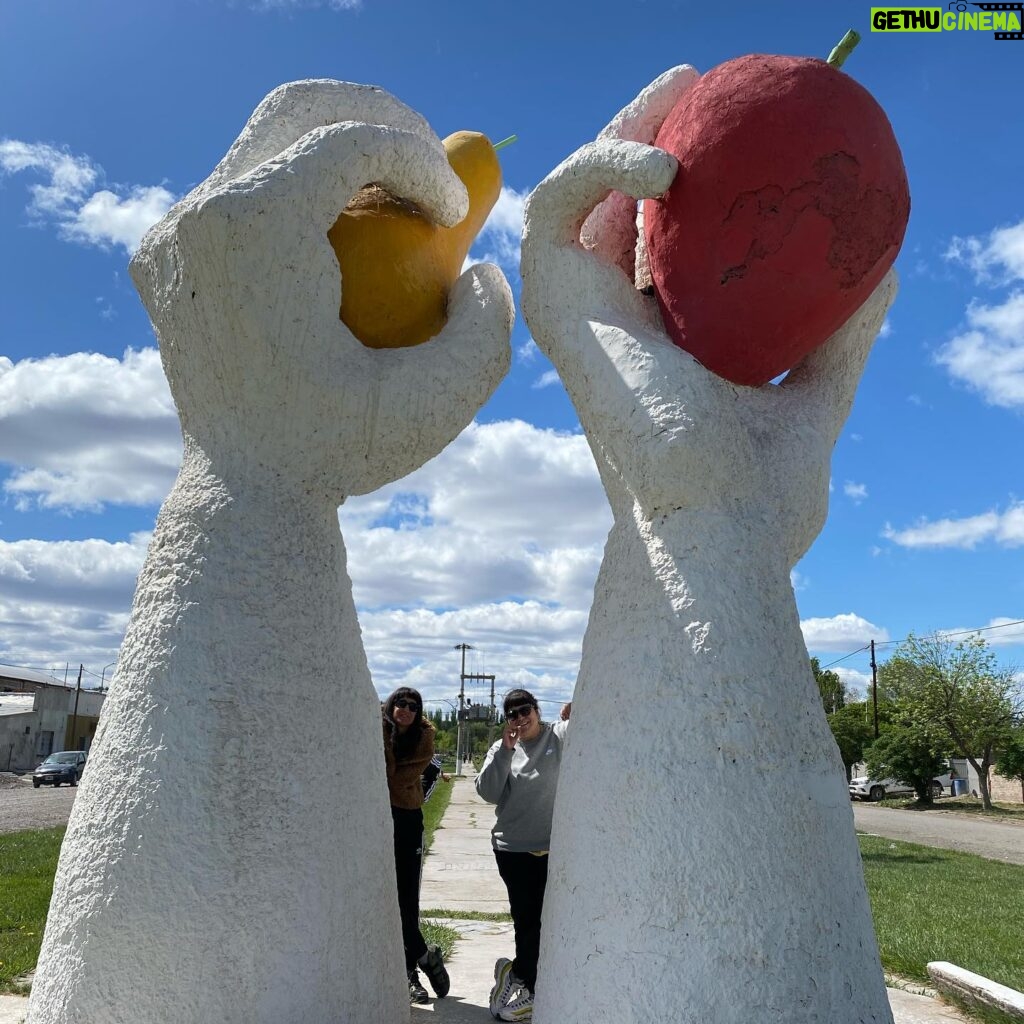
229,856
704,864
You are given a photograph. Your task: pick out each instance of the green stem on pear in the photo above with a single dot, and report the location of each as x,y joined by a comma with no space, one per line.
843,49
505,142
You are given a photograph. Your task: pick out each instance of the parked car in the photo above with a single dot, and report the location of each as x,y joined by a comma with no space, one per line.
64,766
863,788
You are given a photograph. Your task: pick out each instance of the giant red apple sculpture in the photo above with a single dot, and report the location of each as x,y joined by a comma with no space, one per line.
789,207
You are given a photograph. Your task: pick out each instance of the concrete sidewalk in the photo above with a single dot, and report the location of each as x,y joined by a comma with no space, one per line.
460,874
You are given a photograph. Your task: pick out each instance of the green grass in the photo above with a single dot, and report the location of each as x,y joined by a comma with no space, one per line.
440,935
467,915
28,861
433,811
965,804
928,904
931,904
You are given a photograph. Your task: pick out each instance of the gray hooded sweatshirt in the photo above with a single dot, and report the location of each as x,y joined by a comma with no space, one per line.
522,782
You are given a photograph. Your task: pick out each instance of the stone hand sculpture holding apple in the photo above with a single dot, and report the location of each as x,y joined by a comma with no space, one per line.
214,869
704,863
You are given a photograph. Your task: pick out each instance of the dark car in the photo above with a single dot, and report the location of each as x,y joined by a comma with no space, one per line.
64,766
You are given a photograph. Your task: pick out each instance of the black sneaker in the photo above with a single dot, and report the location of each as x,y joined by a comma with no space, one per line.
433,967
417,993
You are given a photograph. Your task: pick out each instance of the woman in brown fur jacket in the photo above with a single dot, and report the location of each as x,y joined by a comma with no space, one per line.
408,749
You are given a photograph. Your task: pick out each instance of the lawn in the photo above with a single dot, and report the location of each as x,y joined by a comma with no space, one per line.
928,904
931,904
28,861
962,804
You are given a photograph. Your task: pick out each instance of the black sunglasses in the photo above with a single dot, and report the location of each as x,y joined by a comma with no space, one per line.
406,705
523,711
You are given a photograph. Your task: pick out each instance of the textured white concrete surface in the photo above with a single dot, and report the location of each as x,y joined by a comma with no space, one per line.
225,862
704,863
956,981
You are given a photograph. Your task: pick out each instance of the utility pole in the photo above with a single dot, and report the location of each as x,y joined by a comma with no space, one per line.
874,688
463,714
74,717
462,703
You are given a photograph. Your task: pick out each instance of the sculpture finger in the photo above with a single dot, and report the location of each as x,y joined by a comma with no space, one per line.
321,172
641,120
427,394
288,204
562,283
823,385
611,229
558,206
560,279
295,108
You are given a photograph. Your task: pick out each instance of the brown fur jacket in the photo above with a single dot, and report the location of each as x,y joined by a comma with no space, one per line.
404,785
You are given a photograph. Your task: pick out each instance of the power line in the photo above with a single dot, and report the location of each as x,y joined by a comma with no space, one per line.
960,632
845,656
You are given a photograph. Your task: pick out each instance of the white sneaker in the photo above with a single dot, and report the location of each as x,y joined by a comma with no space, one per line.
521,1008
505,984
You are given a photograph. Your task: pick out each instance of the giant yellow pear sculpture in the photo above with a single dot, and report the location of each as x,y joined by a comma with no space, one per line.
397,267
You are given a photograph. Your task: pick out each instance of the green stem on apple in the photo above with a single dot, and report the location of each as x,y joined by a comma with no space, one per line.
843,49
505,142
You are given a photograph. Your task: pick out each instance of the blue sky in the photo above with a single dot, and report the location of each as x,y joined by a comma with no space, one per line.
115,109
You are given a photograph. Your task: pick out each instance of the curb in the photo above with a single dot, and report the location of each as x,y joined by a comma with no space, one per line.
973,988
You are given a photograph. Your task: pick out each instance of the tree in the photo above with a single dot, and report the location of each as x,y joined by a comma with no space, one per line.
909,754
1010,762
853,731
956,690
830,686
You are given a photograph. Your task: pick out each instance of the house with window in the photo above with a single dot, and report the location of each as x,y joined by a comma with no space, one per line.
39,714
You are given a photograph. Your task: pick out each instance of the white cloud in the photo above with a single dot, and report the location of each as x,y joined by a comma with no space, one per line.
66,597
988,355
1000,254
298,5
1005,529
1001,631
546,380
68,196
496,542
499,239
528,351
856,492
842,632
858,684
85,430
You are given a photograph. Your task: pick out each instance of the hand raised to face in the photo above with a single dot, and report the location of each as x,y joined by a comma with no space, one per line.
243,289
667,433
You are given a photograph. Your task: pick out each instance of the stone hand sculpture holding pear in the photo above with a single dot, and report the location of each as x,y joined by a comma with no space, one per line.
206,875
704,863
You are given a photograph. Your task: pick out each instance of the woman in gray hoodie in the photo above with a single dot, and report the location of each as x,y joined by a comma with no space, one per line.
520,775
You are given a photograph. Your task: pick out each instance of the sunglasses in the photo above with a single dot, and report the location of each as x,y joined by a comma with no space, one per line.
406,705
523,711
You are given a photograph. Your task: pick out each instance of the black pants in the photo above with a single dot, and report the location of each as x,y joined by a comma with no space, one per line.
408,864
525,876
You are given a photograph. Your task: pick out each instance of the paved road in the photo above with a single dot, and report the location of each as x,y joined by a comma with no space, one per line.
21,806
946,829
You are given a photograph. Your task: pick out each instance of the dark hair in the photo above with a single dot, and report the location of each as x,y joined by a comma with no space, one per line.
514,698
405,743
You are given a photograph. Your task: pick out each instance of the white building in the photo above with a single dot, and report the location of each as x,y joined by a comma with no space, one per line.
39,714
